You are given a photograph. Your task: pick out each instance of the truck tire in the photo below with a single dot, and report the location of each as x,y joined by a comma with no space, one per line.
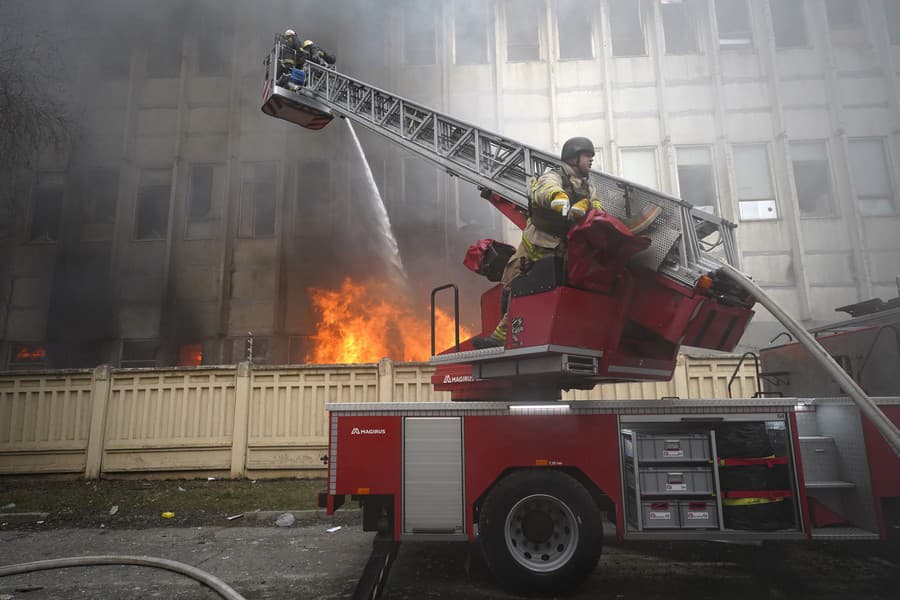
541,532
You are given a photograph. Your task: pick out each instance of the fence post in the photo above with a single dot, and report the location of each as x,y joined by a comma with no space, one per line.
242,393
101,383
385,380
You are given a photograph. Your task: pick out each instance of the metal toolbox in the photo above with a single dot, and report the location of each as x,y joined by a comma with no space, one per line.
698,514
673,448
659,514
676,480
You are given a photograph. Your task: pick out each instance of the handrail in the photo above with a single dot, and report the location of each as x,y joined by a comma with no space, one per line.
455,311
738,368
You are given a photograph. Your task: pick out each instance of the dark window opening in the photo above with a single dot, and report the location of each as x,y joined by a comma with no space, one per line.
574,29
698,186
139,353
27,354
523,19
101,196
190,355
152,218
892,15
470,30
164,54
214,54
813,180
733,20
680,28
843,14
419,46
627,28
789,23
258,200
46,216
201,199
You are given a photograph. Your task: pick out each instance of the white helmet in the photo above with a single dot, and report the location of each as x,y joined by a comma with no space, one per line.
290,32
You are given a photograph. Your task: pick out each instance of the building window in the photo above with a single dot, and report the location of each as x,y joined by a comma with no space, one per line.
46,209
152,214
843,14
137,354
868,166
892,14
626,27
470,32
789,23
574,27
164,54
114,58
190,355
639,166
100,196
812,177
696,178
419,33
27,355
680,27
312,216
523,19
733,20
201,199
756,198
213,53
258,187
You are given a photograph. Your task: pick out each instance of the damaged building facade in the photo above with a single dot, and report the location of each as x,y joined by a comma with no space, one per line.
185,223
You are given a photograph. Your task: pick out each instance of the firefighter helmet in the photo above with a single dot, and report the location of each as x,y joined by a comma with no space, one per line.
290,32
307,43
575,145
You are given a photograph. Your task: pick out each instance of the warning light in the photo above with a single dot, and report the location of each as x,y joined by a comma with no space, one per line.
704,283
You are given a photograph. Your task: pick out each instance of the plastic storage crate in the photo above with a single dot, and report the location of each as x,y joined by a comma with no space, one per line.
678,448
698,514
676,480
660,514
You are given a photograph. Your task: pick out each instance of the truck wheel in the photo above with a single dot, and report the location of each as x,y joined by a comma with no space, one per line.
540,532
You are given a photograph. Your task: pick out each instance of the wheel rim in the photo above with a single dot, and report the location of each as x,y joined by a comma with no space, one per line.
541,533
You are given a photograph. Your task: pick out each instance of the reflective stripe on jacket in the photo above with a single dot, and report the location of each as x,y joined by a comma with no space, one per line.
546,227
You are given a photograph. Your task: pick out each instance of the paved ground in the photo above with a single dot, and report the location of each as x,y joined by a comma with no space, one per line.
305,561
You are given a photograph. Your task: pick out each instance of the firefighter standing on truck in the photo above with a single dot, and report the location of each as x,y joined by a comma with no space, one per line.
317,55
292,57
558,199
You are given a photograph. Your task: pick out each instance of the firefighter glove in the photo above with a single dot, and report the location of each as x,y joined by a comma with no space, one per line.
596,205
579,209
560,203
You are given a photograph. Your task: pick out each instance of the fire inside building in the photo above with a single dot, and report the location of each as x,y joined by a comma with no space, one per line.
180,226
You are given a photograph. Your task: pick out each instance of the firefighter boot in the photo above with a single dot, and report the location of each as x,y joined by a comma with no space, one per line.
498,336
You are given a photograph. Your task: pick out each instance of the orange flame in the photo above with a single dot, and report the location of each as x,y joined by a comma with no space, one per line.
28,353
190,355
365,322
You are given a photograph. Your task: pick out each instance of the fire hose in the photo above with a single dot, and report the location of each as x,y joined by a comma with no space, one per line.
210,581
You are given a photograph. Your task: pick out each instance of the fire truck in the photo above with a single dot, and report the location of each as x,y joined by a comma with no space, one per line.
535,480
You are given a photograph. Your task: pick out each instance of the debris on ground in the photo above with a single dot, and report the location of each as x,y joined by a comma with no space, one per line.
285,520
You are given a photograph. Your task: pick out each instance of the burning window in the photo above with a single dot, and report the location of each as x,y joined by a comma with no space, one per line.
523,19
733,20
696,178
756,198
789,23
139,353
679,27
574,22
470,32
257,218
892,14
419,33
27,355
626,27
868,167
812,178
152,211
843,14
46,210
190,355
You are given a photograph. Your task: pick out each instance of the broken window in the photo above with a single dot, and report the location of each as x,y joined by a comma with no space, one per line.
756,197
812,178
152,212
843,14
733,20
574,23
138,354
523,19
868,166
626,27
470,32
419,47
696,178
27,355
201,198
100,196
892,15
680,27
639,166
257,218
789,23
46,209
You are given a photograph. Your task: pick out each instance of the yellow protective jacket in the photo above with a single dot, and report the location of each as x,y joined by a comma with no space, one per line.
547,228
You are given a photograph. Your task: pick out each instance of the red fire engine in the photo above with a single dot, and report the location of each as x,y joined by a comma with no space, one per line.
535,480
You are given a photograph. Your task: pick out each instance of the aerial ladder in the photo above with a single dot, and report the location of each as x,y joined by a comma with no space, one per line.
617,309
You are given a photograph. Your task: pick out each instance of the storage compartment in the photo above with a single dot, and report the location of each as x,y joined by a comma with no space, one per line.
676,480
758,514
743,440
755,477
678,448
698,514
659,514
